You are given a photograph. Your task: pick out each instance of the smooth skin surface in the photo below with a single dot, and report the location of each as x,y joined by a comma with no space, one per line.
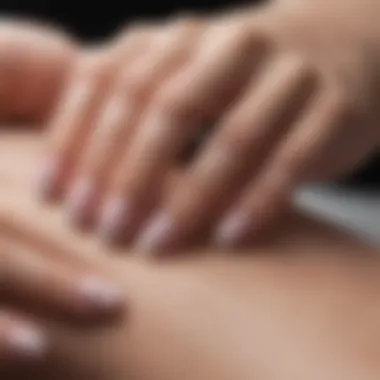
302,304
291,93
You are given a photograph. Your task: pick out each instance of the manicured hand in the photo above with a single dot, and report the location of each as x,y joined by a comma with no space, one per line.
288,100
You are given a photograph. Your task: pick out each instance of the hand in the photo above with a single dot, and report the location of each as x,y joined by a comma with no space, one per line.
32,283
291,98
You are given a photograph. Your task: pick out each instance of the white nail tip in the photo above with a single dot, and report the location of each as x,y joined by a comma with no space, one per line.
47,178
112,218
100,293
156,233
26,341
79,198
231,229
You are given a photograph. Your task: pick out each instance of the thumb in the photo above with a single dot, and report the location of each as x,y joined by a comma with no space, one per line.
34,63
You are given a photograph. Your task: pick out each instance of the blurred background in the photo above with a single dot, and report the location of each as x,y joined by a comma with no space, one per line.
98,20
95,20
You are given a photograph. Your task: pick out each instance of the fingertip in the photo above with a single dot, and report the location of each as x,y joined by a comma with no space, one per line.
49,181
26,341
115,216
80,202
97,295
158,234
232,229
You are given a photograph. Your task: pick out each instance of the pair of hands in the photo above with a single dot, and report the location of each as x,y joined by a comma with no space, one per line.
279,96
286,100
285,107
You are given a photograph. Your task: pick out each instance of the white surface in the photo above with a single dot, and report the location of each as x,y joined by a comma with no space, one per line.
357,211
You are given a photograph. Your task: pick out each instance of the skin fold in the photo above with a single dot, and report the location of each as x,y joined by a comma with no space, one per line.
302,303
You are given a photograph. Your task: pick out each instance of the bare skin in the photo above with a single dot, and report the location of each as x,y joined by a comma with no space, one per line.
302,304
291,89
35,61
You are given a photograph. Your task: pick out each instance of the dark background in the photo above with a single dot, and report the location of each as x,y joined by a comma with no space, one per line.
96,20
93,21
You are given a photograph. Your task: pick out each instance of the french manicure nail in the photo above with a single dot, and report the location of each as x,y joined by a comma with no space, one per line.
100,294
232,229
26,342
157,235
49,177
115,216
79,200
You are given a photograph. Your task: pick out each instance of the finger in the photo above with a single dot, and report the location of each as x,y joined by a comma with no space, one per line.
35,281
73,120
20,340
189,98
265,196
239,146
34,63
121,114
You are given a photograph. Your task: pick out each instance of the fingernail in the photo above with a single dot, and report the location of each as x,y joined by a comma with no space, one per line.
99,294
232,229
49,179
26,342
115,216
157,235
80,200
